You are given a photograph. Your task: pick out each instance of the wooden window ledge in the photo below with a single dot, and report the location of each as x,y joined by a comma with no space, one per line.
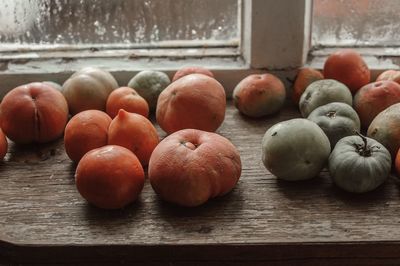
263,220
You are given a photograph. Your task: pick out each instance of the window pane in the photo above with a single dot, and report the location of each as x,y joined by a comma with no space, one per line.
356,22
117,21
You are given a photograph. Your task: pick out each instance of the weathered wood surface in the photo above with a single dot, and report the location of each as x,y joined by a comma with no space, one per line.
44,219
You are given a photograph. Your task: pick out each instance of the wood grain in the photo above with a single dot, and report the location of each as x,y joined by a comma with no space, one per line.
44,219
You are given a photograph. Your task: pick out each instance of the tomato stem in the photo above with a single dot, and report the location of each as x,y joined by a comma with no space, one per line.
363,150
331,114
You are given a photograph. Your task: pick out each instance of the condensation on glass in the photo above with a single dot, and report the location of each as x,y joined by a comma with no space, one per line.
356,22
71,22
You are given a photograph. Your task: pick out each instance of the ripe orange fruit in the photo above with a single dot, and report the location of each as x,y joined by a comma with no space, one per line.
3,145
134,132
393,75
259,95
305,77
128,99
109,177
192,166
192,70
86,131
193,101
34,112
348,67
375,97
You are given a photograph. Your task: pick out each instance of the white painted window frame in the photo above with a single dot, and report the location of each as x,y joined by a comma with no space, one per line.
275,37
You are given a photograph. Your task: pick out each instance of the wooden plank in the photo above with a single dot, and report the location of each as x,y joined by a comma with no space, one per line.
250,254
43,218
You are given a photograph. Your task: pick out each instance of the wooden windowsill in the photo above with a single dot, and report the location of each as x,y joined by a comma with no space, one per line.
263,220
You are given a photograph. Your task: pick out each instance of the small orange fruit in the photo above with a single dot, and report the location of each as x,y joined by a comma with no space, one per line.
3,145
259,94
85,131
348,67
393,75
305,77
34,112
134,132
128,99
192,70
109,177
193,101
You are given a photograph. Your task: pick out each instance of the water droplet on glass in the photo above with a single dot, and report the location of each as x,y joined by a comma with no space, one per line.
116,22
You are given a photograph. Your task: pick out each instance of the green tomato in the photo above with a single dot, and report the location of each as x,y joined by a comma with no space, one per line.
295,149
149,84
337,120
359,164
322,92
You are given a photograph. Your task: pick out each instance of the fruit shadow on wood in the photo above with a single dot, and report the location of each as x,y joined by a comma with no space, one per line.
295,190
376,197
322,185
35,153
268,119
204,220
102,217
212,208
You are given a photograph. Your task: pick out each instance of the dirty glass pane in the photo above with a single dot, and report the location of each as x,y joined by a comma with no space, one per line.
356,22
117,21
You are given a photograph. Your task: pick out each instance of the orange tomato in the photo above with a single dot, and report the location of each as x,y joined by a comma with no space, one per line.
348,67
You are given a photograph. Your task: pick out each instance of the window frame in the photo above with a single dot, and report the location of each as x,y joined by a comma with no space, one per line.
287,23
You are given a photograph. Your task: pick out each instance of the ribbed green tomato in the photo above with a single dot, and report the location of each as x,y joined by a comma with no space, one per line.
359,164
